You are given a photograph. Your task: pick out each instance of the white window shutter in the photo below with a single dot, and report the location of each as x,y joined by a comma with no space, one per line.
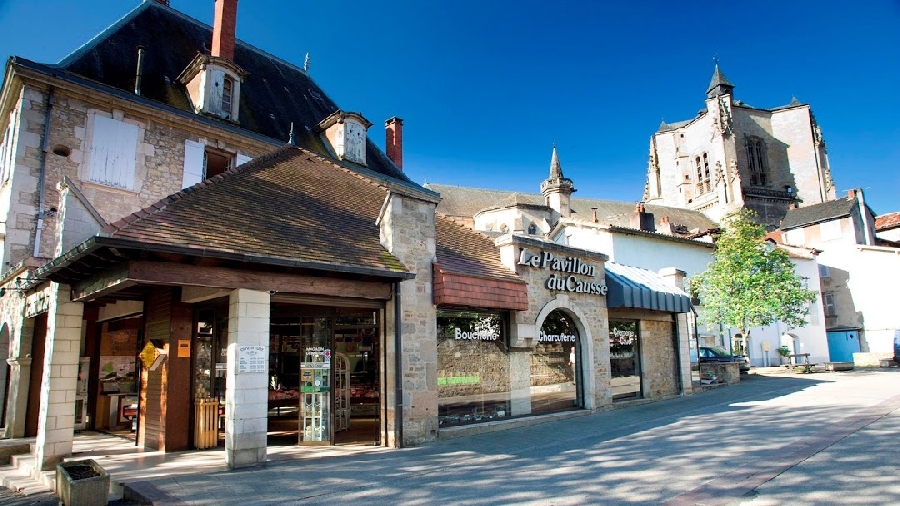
113,152
242,159
193,163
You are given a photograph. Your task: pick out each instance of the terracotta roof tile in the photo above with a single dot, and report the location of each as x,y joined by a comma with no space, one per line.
887,221
290,204
461,250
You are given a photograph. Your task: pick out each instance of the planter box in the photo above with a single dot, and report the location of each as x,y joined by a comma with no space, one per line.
82,483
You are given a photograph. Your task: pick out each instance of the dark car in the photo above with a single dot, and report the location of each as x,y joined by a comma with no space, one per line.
716,354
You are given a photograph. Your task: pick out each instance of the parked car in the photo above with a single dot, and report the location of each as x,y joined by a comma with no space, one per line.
717,354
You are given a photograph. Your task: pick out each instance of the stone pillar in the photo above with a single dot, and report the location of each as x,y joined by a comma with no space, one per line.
56,422
246,393
17,401
520,381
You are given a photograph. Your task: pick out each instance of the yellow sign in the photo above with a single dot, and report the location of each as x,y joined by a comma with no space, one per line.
150,356
184,348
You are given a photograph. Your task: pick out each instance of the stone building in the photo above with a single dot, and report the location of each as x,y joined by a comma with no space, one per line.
855,265
156,103
733,155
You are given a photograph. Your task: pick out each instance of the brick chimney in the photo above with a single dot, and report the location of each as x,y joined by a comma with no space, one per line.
642,220
224,29
851,194
163,2
393,130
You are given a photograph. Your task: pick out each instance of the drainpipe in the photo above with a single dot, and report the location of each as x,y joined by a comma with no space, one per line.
398,365
42,175
678,369
139,71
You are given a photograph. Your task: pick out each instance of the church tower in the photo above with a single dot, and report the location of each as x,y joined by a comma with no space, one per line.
557,189
733,155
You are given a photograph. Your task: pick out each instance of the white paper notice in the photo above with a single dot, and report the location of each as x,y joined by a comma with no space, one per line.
252,359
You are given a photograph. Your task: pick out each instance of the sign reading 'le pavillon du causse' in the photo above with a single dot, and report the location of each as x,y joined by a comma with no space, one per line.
569,275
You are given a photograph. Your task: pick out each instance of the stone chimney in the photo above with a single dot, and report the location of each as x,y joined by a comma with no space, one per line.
224,25
393,130
642,220
673,277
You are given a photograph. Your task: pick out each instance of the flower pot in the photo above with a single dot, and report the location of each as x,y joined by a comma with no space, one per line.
82,483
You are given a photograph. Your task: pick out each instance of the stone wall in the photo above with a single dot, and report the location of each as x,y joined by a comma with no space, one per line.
659,359
408,232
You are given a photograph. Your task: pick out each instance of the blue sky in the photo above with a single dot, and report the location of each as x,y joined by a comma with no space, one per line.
486,87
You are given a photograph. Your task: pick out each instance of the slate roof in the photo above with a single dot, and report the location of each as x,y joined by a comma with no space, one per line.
817,213
466,202
461,250
290,204
274,94
887,221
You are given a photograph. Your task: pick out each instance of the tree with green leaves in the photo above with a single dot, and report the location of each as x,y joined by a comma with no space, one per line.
751,283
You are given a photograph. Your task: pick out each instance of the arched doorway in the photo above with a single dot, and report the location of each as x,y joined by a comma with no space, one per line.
557,379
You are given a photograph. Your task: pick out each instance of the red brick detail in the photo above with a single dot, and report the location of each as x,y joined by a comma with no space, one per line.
470,291
393,130
224,26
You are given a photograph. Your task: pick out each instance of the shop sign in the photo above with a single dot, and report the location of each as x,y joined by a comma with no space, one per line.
483,334
555,338
37,303
568,273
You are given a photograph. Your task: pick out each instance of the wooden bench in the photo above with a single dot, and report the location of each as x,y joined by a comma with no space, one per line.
806,365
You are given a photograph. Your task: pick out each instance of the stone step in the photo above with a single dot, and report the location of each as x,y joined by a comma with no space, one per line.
24,465
10,447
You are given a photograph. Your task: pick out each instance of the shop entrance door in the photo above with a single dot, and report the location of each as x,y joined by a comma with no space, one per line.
624,360
325,376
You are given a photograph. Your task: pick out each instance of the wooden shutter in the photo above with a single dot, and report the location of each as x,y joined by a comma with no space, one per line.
216,81
193,163
113,152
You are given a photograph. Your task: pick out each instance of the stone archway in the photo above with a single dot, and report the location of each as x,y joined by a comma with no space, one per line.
586,344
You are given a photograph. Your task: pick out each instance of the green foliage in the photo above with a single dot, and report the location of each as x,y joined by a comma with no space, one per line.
749,283
784,351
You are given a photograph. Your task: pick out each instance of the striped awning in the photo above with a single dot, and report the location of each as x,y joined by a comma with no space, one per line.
641,288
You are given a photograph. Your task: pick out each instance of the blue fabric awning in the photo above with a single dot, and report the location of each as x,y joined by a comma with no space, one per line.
644,289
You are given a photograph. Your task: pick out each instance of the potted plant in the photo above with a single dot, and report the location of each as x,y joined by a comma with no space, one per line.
82,483
783,352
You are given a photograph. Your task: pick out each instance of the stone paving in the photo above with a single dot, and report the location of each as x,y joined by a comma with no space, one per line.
804,439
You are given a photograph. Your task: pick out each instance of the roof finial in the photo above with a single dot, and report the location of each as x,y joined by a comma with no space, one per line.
716,59
555,169
306,63
291,139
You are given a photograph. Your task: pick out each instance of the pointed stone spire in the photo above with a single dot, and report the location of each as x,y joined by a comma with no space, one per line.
557,188
555,169
719,84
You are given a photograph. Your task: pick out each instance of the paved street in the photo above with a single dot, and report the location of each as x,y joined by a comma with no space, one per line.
805,439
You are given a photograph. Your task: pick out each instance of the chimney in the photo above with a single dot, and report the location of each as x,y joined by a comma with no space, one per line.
393,130
851,194
594,214
642,220
224,29
163,2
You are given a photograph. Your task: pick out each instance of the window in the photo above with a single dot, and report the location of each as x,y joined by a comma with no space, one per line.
532,229
202,162
702,165
5,149
227,96
113,152
756,161
828,302
824,271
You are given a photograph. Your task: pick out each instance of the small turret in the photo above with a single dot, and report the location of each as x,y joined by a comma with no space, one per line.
557,188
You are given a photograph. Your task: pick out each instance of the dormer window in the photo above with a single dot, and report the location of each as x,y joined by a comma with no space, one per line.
346,134
214,86
227,95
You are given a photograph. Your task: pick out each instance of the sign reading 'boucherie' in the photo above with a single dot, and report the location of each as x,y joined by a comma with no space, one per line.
568,275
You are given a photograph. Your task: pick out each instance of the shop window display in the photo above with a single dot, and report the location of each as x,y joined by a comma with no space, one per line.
624,359
473,367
